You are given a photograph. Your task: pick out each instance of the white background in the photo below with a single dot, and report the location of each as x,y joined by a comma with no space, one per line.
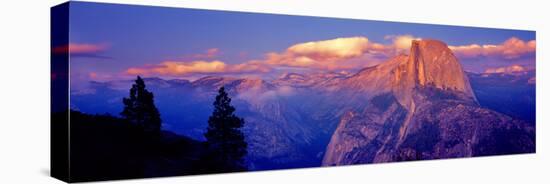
24,90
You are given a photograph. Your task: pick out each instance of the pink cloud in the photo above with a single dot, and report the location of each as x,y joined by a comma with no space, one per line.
209,54
339,53
401,43
506,69
98,76
334,49
179,68
512,48
333,54
80,48
92,75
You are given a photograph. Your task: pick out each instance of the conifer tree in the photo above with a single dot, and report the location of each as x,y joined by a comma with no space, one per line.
140,109
226,143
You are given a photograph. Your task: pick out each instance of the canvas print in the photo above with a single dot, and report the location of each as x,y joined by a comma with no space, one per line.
142,91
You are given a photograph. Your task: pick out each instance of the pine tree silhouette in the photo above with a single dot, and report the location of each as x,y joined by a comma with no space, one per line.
226,144
140,109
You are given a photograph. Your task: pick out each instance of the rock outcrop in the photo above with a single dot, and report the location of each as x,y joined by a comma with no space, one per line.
430,63
429,112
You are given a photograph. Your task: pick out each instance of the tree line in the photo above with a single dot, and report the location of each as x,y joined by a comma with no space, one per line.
105,147
226,146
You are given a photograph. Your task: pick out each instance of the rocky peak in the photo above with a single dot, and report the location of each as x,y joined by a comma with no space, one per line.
430,63
429,112
254,84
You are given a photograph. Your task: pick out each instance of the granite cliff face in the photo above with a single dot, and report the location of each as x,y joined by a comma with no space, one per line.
430,112
430,64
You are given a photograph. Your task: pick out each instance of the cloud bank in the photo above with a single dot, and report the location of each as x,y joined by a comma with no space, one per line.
330,55
512,48
177,68
506,69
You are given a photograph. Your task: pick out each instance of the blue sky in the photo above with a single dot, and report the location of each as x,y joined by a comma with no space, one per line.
107,40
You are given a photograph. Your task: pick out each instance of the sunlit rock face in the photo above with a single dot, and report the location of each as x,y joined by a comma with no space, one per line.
430,63
430,112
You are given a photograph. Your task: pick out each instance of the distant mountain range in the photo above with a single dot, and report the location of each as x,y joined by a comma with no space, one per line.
417,106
